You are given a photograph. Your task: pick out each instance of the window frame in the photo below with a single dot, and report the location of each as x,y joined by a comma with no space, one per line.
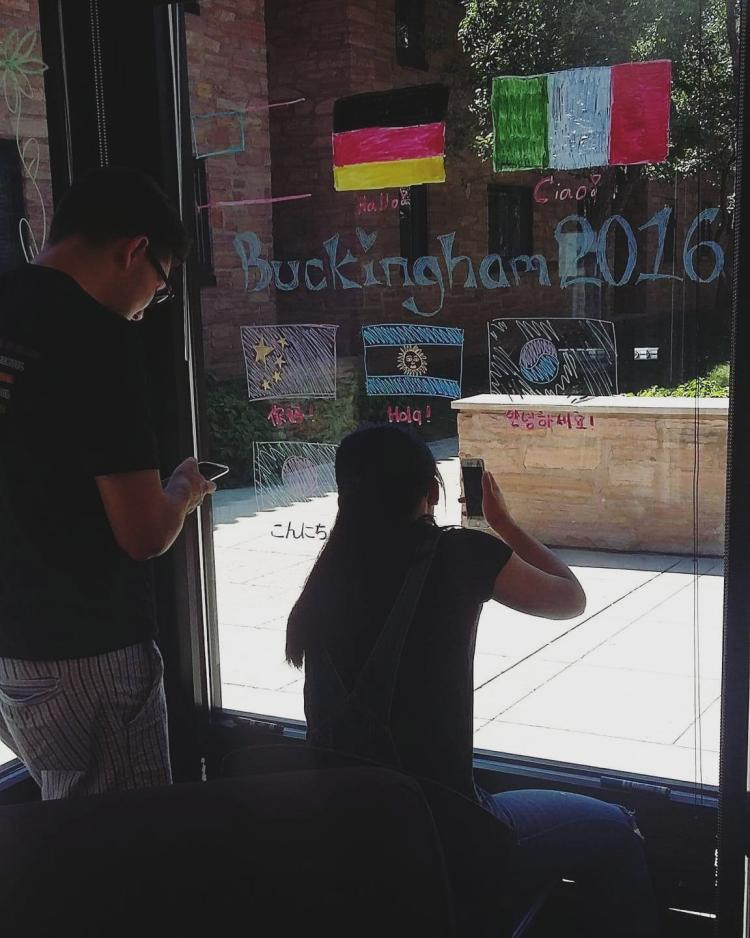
410,20
414,222
17,207
525,203
185,611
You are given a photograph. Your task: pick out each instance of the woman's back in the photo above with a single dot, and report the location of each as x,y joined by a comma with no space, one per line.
431,718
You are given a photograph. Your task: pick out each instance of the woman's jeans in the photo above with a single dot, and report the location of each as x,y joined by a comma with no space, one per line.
594,843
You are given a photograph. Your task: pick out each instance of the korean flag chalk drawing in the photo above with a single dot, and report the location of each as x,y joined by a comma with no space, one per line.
552,356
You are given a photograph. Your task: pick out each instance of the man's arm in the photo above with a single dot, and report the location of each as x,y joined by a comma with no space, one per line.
145,517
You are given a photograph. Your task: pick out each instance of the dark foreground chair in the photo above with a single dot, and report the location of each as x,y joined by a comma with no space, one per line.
351,852
474,845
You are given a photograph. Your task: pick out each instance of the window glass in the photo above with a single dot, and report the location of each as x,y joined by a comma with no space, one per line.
519,247
25,187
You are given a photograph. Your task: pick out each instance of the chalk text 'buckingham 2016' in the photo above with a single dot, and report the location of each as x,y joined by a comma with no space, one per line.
575,236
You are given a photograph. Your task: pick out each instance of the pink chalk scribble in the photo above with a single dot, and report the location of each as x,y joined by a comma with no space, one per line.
268,201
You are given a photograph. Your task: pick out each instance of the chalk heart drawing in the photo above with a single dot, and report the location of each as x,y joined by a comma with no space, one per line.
366,239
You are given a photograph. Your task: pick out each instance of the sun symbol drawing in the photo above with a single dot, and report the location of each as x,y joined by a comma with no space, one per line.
412,360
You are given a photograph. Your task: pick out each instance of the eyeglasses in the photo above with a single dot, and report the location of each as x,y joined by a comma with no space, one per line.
164,292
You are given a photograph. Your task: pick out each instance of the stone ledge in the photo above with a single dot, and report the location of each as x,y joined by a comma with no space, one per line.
617,476
616,404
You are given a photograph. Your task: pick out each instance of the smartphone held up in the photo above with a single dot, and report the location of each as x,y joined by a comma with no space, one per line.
471,483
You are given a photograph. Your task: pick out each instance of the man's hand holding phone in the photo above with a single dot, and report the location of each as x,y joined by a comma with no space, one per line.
212,470
186,482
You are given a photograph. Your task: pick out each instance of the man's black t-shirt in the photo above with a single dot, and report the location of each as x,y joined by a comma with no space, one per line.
72,407
432,714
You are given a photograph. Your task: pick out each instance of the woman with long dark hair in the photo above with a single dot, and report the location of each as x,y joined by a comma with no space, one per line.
386,626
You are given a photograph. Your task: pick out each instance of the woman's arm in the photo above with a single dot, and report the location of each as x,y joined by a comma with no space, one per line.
533,580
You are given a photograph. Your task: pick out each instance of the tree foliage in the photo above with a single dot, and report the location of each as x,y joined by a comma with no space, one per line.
700,37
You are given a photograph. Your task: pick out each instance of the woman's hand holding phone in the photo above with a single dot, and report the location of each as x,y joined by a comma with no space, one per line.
494,505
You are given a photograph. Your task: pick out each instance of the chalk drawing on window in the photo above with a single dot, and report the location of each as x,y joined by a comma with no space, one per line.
413,359
283,362
388,139
286,473
223,133
582,117
18,66
552,356
218,134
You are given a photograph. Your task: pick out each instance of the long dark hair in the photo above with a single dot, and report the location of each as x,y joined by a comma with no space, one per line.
382,473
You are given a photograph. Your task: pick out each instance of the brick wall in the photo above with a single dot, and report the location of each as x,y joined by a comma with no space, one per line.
323,50
227,72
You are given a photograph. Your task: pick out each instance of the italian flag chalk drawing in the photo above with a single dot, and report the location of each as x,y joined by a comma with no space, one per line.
608,116
390,138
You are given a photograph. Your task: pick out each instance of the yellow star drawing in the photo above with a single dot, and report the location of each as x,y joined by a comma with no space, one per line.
283,342
280,362
262,351
276,376
266,384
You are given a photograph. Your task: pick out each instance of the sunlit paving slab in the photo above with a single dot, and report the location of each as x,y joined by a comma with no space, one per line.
613,688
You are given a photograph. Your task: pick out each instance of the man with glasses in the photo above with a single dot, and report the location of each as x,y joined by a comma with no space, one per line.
82,507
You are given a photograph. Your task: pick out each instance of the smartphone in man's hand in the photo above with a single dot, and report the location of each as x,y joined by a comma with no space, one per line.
212,470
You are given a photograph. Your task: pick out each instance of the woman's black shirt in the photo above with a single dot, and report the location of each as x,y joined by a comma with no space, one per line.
432,715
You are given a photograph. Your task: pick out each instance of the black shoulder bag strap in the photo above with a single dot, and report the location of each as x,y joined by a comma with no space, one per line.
371,698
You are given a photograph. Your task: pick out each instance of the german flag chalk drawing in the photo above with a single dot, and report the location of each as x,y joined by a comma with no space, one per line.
389,139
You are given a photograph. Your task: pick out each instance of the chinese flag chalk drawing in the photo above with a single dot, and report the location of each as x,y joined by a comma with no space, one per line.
388,139
582,117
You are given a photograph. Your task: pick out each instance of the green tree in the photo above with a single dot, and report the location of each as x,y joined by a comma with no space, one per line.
521,37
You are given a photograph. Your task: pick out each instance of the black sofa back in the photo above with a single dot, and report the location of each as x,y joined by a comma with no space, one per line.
347,852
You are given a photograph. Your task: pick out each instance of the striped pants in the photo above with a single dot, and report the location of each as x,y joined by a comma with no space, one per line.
83,726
